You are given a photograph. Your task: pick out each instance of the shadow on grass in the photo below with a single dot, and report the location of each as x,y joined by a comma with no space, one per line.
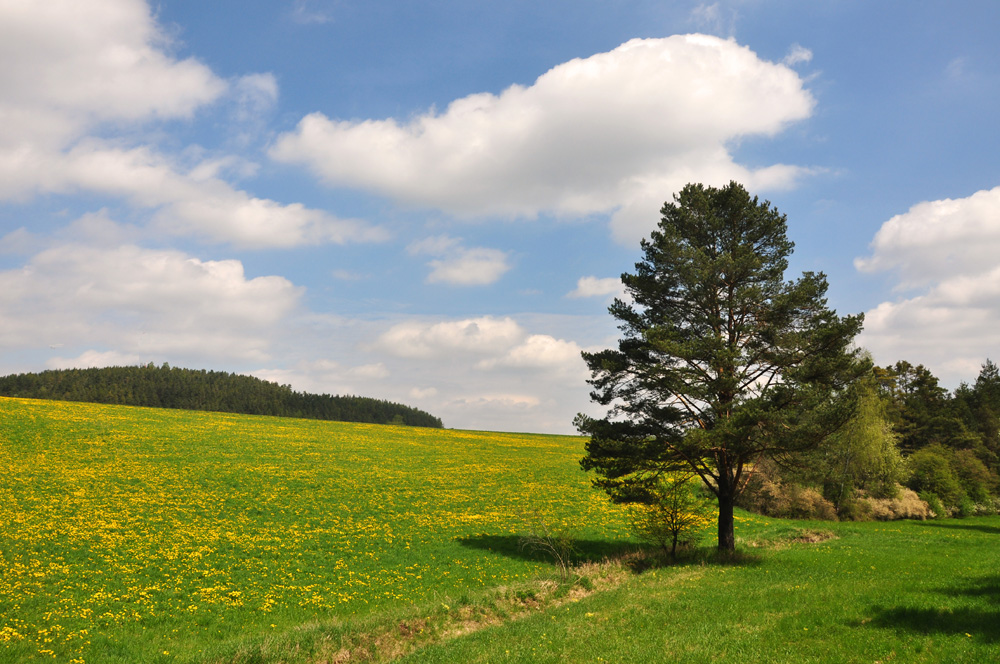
585,550
634,556
992,530
988,588
976,622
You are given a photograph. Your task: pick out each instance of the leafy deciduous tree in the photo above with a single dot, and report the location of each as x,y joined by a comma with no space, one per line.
676,514
863,454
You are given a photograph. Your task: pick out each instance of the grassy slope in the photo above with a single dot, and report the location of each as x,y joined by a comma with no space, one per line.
169,535
131,534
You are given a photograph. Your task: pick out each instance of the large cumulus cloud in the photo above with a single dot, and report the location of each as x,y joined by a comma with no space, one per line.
81,80
141,303
615,132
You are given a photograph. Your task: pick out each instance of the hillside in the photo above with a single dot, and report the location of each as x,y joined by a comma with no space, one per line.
155,535
189,389
127,532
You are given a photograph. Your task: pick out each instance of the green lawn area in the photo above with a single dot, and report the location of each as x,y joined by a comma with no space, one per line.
880,592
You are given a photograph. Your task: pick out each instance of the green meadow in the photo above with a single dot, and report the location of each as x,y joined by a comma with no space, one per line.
147,535
131,534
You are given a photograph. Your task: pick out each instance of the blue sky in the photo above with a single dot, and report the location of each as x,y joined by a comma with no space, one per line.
431,202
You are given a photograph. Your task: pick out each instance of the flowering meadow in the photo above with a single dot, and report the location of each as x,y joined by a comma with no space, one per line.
131,534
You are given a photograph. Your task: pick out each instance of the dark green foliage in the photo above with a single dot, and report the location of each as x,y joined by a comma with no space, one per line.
979,408
922,411
722,362
962,429
188,389
950,440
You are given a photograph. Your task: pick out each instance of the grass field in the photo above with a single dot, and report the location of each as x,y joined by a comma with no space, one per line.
131,534
139,535
924,592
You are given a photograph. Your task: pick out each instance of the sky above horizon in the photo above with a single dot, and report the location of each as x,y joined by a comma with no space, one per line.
432,202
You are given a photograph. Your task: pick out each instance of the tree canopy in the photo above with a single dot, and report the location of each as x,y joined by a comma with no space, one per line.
722,362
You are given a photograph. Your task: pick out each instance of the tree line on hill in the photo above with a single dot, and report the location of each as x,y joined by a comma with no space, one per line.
190,389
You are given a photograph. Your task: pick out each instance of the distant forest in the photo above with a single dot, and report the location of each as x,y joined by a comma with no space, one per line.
190,389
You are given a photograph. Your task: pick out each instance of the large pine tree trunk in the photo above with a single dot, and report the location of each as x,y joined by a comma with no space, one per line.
727,534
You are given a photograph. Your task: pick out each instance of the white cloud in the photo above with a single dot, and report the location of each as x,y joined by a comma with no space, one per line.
141,303
615,131
797,54
67,65
471,267
712,18
505,402
254,97
542,352
937,239
326,376
312,11
485,336
958,69
256,94
597,287
194,203
948,251
434,246
92,359
486,372
461,266
71,71
347,275
423,393
377,370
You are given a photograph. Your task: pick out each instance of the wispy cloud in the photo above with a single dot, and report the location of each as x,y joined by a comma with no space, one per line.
797,54
458,265
313,11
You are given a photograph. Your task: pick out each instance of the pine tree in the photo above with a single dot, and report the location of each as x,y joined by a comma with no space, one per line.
722,362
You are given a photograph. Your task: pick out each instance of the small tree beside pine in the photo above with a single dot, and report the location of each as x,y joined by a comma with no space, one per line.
676,514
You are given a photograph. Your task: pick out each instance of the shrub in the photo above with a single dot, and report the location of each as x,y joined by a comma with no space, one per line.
906,505
937,509
863,454
766,494
973,475
932,472
763,492
768,498
678,514
807,503
965,507
855,510
556,543
989,507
